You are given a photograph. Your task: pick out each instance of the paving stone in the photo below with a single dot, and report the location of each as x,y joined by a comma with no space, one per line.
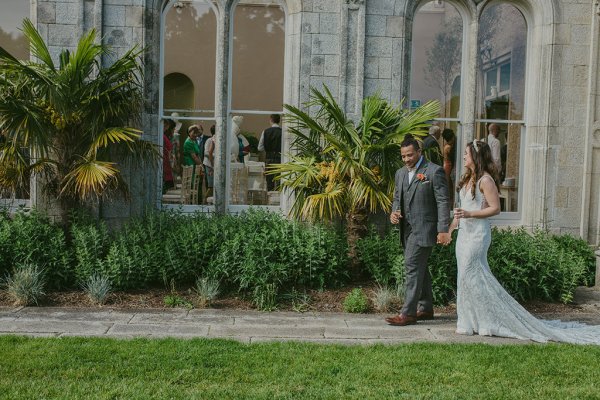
158,330
266,331
51,326
152,318
58,314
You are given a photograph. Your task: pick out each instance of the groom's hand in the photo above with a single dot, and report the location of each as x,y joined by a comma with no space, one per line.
444,238
395,217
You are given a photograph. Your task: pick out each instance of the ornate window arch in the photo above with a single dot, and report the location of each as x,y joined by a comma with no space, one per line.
536,16
218,110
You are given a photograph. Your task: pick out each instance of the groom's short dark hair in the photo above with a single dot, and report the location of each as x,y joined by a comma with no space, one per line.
409,140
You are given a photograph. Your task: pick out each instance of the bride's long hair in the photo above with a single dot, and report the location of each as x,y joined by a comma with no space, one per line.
483,161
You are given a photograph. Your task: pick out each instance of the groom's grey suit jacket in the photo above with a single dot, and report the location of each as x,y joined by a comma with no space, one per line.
423,203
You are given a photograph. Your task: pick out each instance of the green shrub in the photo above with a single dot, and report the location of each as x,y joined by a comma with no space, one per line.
530,266
384,299
26,285
356,301
206,290
378,254
267,251
90,241
97,288
31,238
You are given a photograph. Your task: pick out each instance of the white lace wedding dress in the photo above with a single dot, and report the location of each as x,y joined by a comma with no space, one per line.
484,307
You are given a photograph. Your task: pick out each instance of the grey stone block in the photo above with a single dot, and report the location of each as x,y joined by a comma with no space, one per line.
395,26
325,44
329,23
332,65
134,16
380,7
317,65
385,68
46,13
371,67
115,16
378,47
375,25
326,5
62,36
310,23
67,12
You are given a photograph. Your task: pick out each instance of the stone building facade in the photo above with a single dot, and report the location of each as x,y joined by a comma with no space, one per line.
364,47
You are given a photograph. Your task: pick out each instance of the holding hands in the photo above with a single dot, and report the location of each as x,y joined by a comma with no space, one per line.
444,238
395,217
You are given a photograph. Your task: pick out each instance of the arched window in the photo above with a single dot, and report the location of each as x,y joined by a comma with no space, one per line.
257,89
437,41
189,40
12,14
501,58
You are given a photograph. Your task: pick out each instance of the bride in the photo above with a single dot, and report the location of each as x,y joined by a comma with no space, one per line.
483,306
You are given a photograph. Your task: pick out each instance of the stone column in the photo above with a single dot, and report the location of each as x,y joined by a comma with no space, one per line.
221,117
590,208
352,56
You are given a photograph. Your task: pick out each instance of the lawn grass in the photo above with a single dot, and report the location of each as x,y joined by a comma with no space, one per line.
78,368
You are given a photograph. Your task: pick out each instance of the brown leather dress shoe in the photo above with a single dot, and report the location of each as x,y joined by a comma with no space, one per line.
424,316
401,320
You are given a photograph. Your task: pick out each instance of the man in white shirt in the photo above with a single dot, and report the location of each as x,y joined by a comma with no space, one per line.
494,143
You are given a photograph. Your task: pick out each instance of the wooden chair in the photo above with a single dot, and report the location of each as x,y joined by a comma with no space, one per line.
189,185
239,183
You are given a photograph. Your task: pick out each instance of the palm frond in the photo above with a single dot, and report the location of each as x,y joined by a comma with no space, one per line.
88,178
37,47
115,135
325,205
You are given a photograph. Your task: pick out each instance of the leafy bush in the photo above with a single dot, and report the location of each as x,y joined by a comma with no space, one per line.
534,265
31,238
26,285
263,255
267,253
356,301
539,265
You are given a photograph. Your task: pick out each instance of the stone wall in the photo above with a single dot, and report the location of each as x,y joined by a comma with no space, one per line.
362,47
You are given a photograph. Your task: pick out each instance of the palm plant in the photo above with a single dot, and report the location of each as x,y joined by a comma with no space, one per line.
73,117
345,169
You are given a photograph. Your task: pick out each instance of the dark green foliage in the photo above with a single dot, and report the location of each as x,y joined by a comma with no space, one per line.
30,238
379,255
442,266
266,253
356,301
263,255
530,266
539,265
258,253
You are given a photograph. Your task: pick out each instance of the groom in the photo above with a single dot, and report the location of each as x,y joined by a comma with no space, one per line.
421,207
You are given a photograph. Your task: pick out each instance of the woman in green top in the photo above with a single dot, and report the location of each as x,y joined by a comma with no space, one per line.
191,150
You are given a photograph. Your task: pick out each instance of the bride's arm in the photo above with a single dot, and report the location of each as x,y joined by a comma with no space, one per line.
453,225
491,203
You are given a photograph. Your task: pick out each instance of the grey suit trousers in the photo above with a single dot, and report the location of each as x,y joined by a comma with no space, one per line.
418,294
